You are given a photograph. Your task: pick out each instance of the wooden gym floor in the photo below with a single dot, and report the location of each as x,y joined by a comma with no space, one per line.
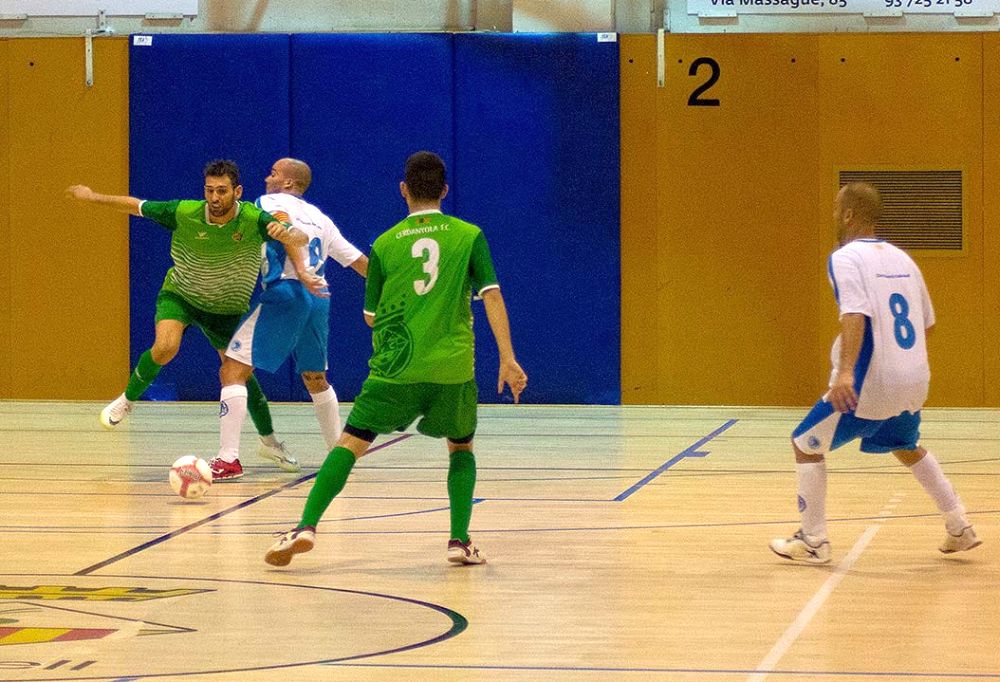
624,543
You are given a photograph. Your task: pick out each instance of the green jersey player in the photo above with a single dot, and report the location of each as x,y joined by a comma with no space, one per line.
421,277
216,248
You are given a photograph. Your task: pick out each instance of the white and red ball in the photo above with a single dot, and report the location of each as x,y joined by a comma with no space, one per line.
190,477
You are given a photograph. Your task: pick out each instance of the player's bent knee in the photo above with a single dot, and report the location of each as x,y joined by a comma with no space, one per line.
362,434
233,372
163,353
909,457
463,444
315,382
805,457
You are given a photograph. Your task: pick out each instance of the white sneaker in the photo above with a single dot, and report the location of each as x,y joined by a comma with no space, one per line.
295,541
115,412
802,547
959,543
464,553
279,455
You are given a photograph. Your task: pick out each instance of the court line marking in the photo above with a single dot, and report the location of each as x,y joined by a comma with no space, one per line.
459,624
247,527
650,669
213,517
691,451
812,607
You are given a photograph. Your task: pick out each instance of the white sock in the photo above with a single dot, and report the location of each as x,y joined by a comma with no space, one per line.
328,414
812,497
937,485
232,413
270,440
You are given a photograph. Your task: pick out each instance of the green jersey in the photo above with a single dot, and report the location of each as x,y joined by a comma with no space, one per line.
421,274
215,266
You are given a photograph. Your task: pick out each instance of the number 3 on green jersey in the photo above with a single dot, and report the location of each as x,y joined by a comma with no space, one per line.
429,252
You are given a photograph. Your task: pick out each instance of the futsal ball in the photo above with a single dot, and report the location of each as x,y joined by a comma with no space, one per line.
190,477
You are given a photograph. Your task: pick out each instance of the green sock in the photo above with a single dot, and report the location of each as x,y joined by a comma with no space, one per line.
329,482
260,413
461,484
142,376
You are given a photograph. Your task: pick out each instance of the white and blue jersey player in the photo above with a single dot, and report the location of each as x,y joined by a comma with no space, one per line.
292,317
880,377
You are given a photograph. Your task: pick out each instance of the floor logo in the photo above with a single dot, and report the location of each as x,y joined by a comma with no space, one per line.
28,617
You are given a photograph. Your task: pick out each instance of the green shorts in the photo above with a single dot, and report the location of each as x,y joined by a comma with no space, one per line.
447,410
218,329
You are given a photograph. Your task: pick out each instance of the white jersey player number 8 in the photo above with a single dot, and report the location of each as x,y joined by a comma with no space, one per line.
429,251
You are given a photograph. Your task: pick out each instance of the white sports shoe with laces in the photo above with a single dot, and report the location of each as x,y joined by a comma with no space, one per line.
280,455
464,553
115,412
802,547
295,541
959,543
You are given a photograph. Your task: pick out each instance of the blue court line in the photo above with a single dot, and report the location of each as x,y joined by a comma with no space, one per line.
243,530
702,671
692,451
208,519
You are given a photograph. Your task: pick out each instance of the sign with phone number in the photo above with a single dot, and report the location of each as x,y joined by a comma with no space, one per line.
870,7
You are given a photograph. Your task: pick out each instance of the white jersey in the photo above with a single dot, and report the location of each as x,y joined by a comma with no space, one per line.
325,240
880,281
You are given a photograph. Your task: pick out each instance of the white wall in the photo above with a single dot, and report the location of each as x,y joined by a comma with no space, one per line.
624,16
290,16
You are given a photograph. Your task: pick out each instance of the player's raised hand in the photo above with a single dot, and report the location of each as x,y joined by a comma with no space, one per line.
80,193
512,375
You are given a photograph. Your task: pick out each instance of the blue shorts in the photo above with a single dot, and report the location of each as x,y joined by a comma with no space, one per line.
825,429
288,321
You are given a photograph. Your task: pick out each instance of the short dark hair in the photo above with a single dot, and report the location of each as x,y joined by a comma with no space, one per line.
425,176
220,167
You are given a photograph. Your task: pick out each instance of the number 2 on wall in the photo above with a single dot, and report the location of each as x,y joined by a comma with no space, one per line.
696,99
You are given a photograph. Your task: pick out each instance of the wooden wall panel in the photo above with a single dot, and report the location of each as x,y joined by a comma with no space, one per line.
871,117
69,270
6,288
990,346
640,180
732,304
734,281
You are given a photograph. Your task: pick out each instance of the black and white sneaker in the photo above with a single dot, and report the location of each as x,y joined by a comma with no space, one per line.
802,547
115,412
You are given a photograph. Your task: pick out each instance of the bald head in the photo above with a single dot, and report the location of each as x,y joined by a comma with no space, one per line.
856,211
864,200
289,176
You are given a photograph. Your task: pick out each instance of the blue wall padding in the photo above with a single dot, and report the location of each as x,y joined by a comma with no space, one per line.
360,105
536,162
193,99
529,128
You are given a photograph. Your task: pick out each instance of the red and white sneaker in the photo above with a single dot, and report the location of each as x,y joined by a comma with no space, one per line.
225,471
295,541
464,553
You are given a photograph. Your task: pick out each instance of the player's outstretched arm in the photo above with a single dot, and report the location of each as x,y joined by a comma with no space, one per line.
511,373
121,203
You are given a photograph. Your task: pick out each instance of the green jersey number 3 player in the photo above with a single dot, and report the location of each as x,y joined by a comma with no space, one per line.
216,249
421,276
